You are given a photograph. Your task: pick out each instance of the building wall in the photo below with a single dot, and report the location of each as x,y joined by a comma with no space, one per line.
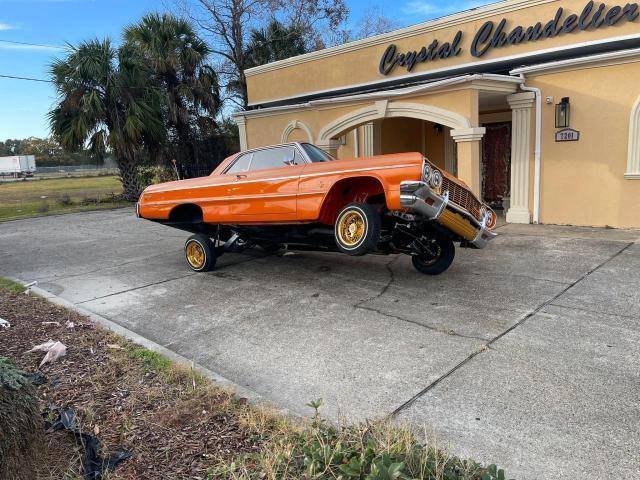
583,183
401,135
358,62
266,129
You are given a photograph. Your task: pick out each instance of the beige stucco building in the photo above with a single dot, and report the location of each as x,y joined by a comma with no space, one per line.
478,93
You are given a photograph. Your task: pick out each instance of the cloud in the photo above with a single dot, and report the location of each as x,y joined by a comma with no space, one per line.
7,26
28,47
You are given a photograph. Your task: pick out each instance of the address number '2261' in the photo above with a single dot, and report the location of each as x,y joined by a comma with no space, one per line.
567,135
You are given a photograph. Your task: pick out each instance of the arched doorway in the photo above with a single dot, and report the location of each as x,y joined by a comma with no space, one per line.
394,127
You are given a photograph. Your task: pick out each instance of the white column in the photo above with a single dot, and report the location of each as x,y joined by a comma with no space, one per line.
368,135
449,152
521,105
468,146
242,130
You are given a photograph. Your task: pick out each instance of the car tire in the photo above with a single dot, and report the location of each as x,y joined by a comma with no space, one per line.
440,263
357,229
200,252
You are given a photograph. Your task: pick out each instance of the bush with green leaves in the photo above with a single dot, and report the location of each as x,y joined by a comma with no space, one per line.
153,175
21,427
367,451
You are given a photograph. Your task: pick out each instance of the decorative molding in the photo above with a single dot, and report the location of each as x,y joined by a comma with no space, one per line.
501,83
470,134
382,105
495,117
368,135
633,155
242,130
393,109
356,143
449,152
330,146
521,100
599,60
293,125
467,16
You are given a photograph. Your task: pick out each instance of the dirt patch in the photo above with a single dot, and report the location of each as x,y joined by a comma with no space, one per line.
177,424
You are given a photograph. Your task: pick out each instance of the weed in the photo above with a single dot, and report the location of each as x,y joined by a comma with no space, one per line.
151,360
371,450
13,287
65,200
43,207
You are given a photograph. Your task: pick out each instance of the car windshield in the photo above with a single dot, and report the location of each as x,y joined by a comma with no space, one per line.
315,154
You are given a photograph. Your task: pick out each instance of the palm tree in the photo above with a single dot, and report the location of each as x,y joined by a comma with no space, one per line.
177,56
275,42
106,101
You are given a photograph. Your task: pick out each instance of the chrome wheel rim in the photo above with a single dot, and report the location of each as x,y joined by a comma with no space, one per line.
195,254
351,228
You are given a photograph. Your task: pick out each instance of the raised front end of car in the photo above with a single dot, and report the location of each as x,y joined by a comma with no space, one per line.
446,200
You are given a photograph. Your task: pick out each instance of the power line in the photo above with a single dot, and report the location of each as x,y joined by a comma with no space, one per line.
26,78
13,42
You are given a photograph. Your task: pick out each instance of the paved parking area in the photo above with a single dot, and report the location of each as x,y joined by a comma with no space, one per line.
526,353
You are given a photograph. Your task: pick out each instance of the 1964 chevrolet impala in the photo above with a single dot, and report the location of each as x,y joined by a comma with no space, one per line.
297,196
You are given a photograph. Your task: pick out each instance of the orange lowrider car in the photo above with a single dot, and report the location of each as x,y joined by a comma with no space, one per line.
297,196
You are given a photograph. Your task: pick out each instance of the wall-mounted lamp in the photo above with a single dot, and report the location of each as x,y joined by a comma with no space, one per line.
563,109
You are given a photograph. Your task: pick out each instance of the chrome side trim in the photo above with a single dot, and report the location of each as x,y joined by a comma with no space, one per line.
237,197
273,179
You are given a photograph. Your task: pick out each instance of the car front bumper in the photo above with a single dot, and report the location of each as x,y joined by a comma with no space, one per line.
418,197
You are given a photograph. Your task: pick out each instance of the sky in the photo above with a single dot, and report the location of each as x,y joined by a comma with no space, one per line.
52,24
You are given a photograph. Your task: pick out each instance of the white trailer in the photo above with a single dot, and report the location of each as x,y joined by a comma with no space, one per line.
18,165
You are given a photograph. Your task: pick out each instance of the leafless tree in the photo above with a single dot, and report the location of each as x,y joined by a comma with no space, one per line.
374,22
227,25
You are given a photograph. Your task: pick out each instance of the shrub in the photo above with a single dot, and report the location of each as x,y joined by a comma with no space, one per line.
21,427
367,451
152,175
65,200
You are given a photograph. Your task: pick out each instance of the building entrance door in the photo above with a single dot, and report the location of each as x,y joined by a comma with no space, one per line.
496,163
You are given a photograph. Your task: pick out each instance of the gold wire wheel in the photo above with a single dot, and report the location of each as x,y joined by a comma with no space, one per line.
351,228
195,255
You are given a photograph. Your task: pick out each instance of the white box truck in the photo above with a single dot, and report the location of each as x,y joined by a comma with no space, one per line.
18,166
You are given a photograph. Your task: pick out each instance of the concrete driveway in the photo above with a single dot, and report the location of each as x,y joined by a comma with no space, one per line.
526,353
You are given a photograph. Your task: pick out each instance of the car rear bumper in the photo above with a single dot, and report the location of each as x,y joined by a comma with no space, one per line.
421,199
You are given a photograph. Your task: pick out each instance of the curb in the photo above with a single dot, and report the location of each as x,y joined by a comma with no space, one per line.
253,397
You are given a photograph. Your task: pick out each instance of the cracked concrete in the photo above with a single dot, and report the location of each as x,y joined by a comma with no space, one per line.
524,353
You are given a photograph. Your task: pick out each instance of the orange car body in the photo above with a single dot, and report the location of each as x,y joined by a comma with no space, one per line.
314,192
291,193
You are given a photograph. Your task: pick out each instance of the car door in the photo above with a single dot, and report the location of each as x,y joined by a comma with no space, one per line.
267,189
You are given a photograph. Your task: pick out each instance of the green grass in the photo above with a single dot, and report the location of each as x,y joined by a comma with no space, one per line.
151,360
13,287
42,197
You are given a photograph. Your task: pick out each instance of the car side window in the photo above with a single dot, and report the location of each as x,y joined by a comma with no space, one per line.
241,164
298,159
273,158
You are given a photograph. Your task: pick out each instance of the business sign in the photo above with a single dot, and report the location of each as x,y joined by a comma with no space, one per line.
567,135
490,36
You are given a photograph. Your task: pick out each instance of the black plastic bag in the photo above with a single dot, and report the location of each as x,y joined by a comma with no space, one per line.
93,463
